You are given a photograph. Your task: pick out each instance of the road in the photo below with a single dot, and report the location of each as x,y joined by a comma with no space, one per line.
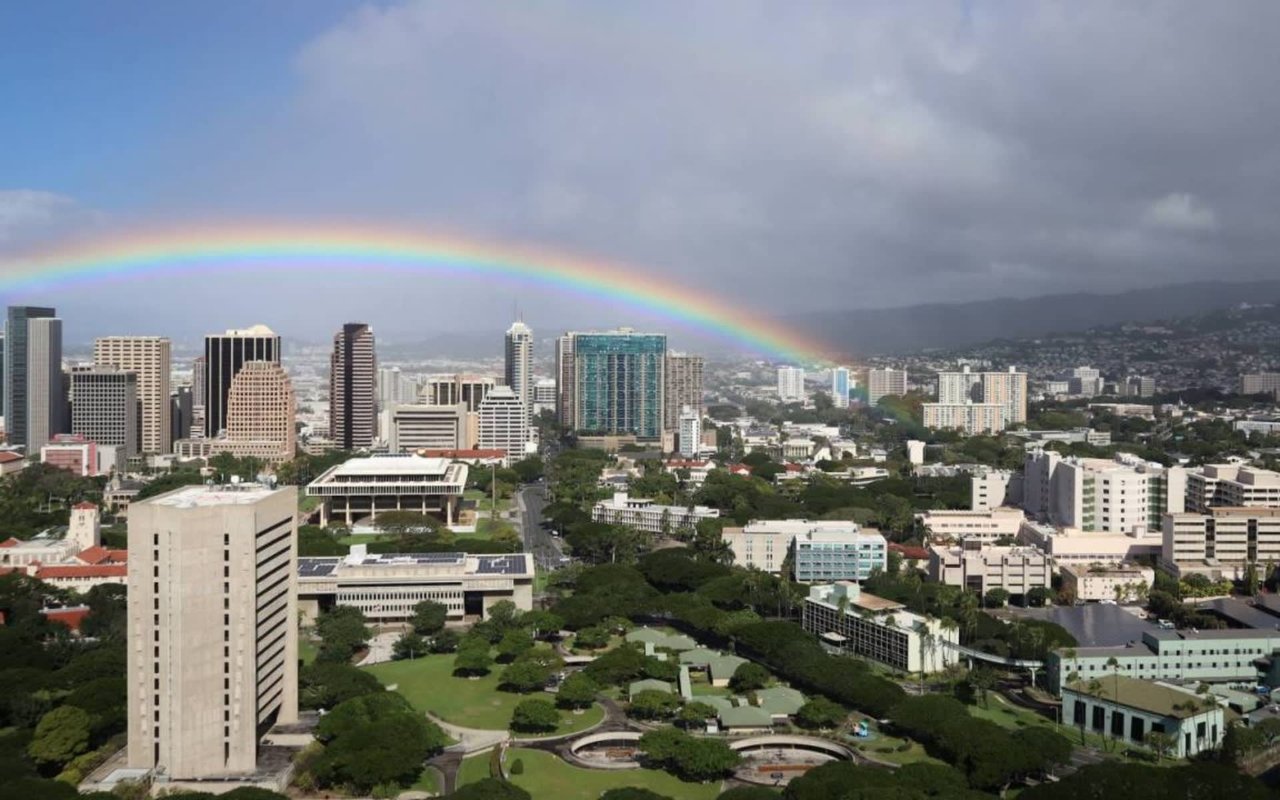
546,548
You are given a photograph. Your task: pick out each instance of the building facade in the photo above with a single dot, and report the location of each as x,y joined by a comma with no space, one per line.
213,640
46,394
504,424
105,407
980,569
16,384
683,387
647,516
353,369
846,619
261,408
357,490
826,556
1232,486
885,382
1261,383
619,385
967,417
1123,583
791,385
151,359
419,427
224,356
840,387
689,432
449,390
518,364
1224,543
1117,495
987,526
1130,711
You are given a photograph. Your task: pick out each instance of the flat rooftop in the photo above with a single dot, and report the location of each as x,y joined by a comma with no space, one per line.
442,564
392,465
1146,696
241,494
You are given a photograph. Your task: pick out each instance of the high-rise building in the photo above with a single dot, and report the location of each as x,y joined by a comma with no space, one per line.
352,371
46,394
149,357
1140,386
566,381
422,427
1085,381
519,363
1121,495
199,396
504,424
15,371
261,408
395,388
791,384
224,355
1008,389
181,413
1258,383
689,432
966,400
212,627
959,387
544,396
618,382
449,390
969,417
840,387
105,406
683,387
885,382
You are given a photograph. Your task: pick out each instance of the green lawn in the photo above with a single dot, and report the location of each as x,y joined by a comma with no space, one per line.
428,781
307,649
428,684
546,777
484,502
365,538
885,748
307,504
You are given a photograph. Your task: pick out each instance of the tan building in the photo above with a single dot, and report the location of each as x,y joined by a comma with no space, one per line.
149,357
984,526
260,414
683,387
1009,390
1090,583
1222,543
967,417
213,638
1017,570
1261,383
353,371
423,427
449,390
1232,486
887,382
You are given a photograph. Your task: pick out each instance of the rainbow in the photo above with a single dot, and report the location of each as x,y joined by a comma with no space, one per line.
141,254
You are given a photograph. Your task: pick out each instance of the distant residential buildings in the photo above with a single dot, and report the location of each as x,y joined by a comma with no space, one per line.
689,432
791,384
840,387
885,382
395,388
46,394
649,517
353,373
1140,386
969,417
683,387
1261,383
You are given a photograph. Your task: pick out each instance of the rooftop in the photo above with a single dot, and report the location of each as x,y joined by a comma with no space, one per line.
516,564
1155,698
241,494
392,465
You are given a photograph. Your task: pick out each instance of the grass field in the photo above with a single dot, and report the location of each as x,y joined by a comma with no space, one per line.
428,781
428,684
307,649
546,777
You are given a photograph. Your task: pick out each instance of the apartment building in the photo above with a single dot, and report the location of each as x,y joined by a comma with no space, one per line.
1260,383
886,382
968,417
649,517
791,384
1222,543
504,424
845,618
683,387
980,568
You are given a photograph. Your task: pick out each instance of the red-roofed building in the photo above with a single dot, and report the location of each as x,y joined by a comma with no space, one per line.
71,616
11,462
102,555
11,542
910,553
739,469
80,577
698,468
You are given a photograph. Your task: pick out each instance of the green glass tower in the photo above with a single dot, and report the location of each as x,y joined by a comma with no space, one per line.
619,382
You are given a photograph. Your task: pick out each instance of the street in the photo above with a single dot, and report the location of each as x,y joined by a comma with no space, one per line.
538,540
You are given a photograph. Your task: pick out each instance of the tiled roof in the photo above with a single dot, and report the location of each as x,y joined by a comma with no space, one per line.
83,571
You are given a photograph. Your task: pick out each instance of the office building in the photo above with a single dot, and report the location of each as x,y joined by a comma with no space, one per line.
1261,383
386,587
199,396
1129,711
1125,583
1084,382
988,525
791,385
885,382
181,413
845,618
352,370
504,423
840,387
647,516
421,427
765,544
566,381
449,390
260,414
224,355
15,372
618,383
72,453
356,490
1074,546
1223,543
683,387
544,396
825,556
105,408
149,357
518,364
212,621
981,568
689,433
1232,486
968,417
1140,386
46,395
395,388
1116,495
989,488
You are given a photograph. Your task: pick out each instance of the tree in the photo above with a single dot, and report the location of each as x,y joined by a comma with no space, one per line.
540,623
1039,596
490,789
592,637
60,736
662,745
995,598
342,632
503,615
749,677
533,716
1162,743
429,617
409,645
705,759
406,524
632,793
820,712
327,685
514,643
524,676
653,704
577,691
472,659
374,740
694,714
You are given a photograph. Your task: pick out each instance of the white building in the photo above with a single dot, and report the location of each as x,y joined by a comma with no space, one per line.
504,423
1232,486
791,384
884,383
1222,543
690,432
915,452
969,417
1262,427
419,427
519,364
984,525
977,568
1074,546
764,544
1117,495
845,618
362,487
1094,582
959,388
1129,710
649,517
840,387
989,488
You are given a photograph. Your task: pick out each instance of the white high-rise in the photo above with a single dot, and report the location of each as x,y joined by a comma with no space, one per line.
791,384
504,424
958,387
690,432
885,382
519,363
840,387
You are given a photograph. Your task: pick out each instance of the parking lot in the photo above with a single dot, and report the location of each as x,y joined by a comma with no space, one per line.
1093,624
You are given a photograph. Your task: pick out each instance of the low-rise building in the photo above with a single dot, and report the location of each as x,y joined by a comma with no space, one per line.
845,618
1017,570
765,545
830,555
1232,486
1067,545
647,516
363,487
990,488
1120,582
986,526
1131,710
1222,543
386,587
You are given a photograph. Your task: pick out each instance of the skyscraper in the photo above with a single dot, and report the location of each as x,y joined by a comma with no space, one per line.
618,382
352,386
519,363
224,355
959,387
690,432
683,387
1009,389
105,407
15,370
46,394
791,384
260,413
149,357
212,627
504,424
199,396
566,383
840,387
885,382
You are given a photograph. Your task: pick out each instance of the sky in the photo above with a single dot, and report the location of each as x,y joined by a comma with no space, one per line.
783,156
